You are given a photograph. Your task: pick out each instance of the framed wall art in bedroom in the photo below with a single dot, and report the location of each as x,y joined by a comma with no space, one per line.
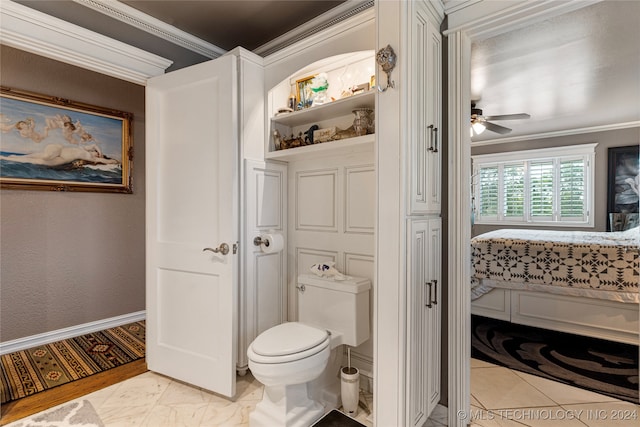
51,143
623,187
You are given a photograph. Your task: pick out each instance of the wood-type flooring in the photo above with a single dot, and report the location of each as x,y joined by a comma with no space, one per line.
38,402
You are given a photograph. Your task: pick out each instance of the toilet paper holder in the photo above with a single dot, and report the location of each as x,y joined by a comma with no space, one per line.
269,243
258,241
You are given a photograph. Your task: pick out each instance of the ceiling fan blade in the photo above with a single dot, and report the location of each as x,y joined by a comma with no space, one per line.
497,128
509,116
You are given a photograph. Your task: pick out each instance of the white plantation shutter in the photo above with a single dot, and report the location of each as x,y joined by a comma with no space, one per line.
488,196
541,190
550,186
513,194
572,190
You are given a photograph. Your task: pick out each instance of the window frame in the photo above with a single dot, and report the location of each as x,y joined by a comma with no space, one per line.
557,155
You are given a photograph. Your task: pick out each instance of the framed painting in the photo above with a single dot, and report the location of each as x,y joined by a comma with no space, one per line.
50,143
623,187
304,93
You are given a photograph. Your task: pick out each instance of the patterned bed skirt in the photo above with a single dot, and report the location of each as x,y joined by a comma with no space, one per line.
591,264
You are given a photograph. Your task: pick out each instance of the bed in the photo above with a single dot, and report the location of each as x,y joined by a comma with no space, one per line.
572,281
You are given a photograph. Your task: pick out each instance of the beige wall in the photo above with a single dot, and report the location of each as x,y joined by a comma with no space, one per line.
605,140
71,258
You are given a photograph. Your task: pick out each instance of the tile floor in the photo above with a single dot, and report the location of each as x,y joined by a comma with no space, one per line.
499,398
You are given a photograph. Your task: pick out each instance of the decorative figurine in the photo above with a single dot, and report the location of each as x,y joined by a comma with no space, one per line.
327,269
319,86
277,140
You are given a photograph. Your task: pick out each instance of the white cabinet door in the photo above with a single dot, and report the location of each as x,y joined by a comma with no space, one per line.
425,114
434,313
434,119
417,333
423,323
192,204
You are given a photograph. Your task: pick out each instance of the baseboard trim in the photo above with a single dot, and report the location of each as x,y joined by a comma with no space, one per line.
365,366
70,332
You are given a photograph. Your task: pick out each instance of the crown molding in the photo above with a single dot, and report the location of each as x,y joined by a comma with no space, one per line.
348,24
558,134
144,22
482,19
36,32
328,19
451,6
151,25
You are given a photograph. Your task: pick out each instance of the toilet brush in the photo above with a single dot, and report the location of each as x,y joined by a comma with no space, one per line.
350,387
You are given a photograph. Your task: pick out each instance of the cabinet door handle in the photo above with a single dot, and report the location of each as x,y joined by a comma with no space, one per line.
435,291
430,127
428,304
433,138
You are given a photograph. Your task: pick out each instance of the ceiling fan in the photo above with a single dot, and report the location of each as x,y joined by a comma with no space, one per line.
479,122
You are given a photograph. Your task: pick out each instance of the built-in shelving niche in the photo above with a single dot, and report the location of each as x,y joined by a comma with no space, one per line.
343,72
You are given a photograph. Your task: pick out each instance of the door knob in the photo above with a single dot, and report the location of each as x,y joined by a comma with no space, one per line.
223,249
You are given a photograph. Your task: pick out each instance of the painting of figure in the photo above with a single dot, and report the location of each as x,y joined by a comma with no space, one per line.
49,143
624,186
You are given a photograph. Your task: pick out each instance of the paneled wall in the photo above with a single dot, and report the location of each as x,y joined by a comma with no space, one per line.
71,258
263,298
332,219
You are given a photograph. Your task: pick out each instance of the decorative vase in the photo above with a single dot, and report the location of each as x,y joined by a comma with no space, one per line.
319,97
362,122
372,122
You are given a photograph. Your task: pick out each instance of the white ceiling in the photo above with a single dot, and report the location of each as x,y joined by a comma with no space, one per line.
578,70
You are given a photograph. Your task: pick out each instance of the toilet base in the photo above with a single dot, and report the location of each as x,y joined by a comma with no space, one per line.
286,406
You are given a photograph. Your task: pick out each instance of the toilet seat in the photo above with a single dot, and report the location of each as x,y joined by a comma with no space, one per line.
288,342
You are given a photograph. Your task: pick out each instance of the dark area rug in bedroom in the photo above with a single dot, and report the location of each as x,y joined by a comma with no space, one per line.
335,418
605,367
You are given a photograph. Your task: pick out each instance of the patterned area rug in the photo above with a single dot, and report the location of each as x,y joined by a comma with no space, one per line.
604,367
40,368
79,413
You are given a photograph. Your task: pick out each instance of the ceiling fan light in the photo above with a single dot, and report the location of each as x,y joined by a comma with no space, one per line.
478,127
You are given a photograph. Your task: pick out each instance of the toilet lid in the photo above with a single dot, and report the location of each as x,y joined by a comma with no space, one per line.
288,338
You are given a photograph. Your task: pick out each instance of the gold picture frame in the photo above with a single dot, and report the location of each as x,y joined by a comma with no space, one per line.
304,95
52,143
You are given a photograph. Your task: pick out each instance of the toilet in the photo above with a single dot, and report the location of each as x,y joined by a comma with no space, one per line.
289,359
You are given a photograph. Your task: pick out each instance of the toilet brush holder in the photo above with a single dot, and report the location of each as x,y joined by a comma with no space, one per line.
350,390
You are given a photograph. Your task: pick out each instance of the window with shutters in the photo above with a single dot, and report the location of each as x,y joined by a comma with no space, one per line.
552,186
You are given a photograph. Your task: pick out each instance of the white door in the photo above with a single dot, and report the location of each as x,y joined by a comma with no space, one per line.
192,204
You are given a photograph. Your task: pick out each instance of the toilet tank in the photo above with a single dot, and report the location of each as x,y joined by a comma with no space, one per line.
341,306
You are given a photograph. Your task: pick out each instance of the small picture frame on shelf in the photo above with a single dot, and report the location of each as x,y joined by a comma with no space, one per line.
303,92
